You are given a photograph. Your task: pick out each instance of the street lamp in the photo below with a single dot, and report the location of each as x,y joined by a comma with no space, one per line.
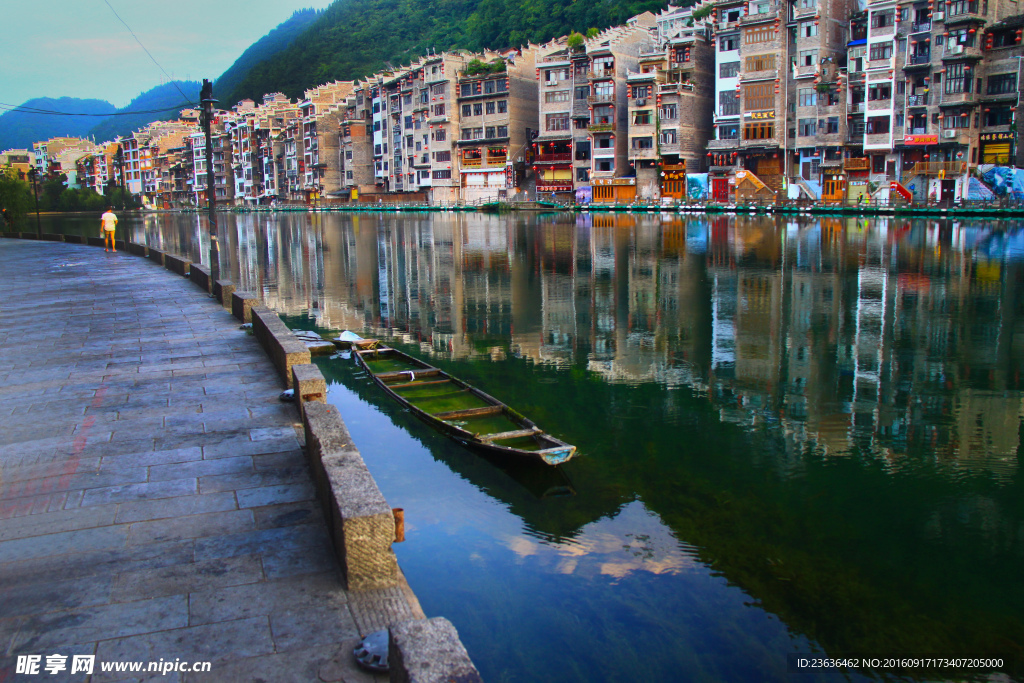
33,173
206,97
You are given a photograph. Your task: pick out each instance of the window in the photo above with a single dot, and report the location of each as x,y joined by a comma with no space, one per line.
478,109
880,51
880,91
605,90
998,116
348,175
489,132
408,122
808,29
729,131
761,130
442,175
668,137
877,125
643,143
807,127
489,106
552,76
466,89
806,97
467,110
759,96
549,97
348,154
443,156
1002,83
582,92
605,165
956,119
437,90
761,34
832,125
639,91
728,103
439,110
502,106
440,135
878,163
502,132
955,80
501,85
488,87
583,174
642,117
668,111
727,44
729,69
759,62
963,7
808,58
557,122
883,19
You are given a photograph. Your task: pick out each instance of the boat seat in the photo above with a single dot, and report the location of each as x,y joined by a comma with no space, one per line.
517,434
468,412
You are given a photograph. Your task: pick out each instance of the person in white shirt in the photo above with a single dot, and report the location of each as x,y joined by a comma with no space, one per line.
109,223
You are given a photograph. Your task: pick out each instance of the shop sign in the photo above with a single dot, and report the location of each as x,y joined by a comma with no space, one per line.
996,137
614,181
920,139
759,115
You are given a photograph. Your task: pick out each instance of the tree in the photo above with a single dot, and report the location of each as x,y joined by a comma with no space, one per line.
575,41
15,196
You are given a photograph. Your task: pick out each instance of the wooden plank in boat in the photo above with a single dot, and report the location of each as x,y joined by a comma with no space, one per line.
468,412
517,434
386,376
420,384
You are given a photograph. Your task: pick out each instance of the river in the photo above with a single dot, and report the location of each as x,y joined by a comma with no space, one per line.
796,435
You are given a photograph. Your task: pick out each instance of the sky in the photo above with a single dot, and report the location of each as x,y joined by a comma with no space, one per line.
78,48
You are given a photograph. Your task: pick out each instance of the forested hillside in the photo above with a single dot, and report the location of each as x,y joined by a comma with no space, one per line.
22,127
265,48
354,38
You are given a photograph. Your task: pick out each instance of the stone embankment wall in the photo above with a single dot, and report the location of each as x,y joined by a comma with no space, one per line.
361,523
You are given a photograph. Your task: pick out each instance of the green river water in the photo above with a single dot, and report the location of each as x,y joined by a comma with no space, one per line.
795,435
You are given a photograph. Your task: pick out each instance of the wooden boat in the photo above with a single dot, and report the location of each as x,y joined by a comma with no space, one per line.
463,412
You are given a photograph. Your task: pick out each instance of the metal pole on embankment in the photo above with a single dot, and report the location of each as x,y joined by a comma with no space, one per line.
206,97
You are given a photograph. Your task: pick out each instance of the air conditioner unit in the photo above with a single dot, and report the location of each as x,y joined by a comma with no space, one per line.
641,102
938,16
955,49
949,134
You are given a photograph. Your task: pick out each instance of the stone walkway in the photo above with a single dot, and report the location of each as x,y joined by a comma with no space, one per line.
154,499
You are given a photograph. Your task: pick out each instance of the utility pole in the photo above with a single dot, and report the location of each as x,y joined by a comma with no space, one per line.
206,97
33,173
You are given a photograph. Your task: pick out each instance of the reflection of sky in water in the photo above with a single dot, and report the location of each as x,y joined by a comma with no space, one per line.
621,599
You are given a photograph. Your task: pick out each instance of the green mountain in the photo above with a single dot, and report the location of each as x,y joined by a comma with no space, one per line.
157,104
354,38
21,127
265,48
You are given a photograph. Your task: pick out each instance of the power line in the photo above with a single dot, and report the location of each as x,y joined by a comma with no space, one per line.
50,112
144,49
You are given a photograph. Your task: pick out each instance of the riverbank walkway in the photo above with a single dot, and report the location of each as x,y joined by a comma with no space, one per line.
154,499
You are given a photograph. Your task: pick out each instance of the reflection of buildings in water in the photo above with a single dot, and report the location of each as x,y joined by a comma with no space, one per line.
876,335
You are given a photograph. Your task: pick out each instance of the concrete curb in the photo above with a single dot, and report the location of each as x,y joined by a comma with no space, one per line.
177,264
429,651
242,303
283,347
223,289
200,275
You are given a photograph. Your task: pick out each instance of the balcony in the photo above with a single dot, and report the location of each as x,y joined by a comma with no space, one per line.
601,127
921,26
555,157
601,74
918,60
857,164
917,130
723,144
604,97
961,52
938,167
857,107
759,18
949,99
917,100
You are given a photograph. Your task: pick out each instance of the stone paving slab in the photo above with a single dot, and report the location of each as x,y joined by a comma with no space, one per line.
154,498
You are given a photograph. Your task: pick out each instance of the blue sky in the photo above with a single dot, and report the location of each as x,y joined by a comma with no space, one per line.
78,48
